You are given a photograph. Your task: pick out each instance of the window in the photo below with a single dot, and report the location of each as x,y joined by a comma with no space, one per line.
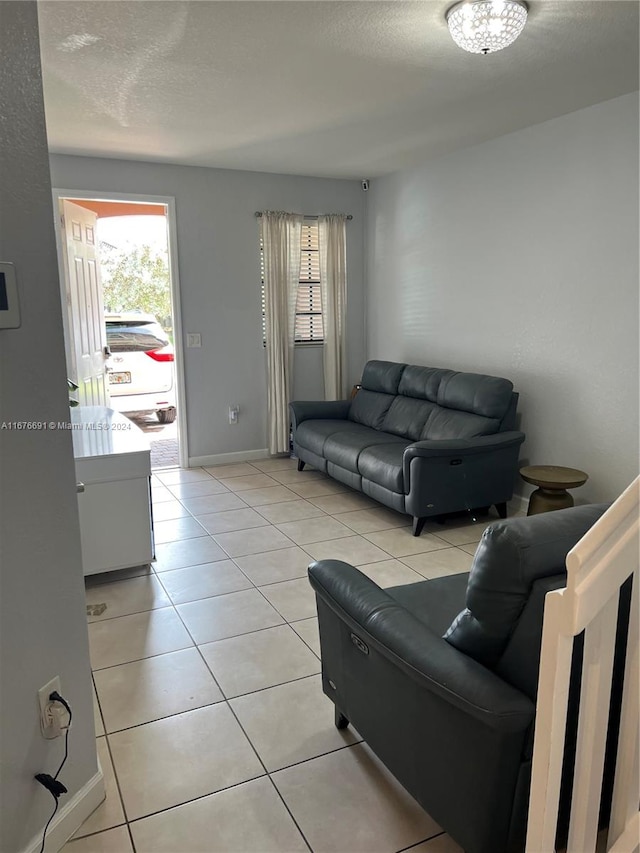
131,334
308,328
309,302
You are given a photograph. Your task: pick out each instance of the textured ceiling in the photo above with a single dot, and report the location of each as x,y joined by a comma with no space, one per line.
345,89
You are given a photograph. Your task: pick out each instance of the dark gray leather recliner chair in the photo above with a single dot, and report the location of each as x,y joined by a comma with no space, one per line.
440,677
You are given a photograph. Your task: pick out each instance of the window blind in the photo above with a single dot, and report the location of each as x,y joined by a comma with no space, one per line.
308,327
309,302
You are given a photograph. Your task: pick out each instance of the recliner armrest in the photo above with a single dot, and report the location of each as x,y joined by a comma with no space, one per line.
305,410
459,447
411,646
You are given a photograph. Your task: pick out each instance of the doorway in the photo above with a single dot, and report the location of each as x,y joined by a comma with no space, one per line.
118,271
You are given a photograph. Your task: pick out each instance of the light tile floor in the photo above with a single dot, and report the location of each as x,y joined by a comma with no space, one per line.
213,731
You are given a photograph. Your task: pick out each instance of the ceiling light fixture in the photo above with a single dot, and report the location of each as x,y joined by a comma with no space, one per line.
484,26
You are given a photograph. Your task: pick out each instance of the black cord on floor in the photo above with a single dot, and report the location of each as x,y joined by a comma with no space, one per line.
53,814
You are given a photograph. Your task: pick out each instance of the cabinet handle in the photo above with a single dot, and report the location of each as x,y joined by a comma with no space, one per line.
79,487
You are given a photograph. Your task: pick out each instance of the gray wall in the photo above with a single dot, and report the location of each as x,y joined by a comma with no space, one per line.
43,629
519,257
220,282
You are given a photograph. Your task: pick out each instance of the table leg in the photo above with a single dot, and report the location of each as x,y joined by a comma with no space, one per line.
546,500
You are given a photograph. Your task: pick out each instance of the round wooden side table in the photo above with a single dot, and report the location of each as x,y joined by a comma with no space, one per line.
553,482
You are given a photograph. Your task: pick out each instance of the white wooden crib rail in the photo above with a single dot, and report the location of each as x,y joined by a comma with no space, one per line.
596,569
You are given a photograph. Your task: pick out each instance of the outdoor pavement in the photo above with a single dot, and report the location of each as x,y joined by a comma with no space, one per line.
163,439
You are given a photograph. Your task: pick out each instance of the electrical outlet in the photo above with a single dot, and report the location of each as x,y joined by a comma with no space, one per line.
49,722
194,340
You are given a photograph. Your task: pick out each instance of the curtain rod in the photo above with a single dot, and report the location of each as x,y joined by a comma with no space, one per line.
258,213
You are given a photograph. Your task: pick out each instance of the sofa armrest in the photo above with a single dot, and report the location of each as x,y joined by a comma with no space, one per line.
305,410
455,447
420,653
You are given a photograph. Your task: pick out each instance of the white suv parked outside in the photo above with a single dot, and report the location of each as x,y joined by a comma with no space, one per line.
140,369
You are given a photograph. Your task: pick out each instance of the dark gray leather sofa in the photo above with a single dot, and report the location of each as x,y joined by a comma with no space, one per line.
440,677
421,440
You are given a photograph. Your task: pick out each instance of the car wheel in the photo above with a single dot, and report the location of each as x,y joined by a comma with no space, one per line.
166,416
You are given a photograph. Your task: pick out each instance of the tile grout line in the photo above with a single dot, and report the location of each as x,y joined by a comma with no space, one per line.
185,648
424,841
313,651
197,646
267,774
195,799
289,623
227,702
97,832
224,700
133,844
158,576
289,812
117,780
250,742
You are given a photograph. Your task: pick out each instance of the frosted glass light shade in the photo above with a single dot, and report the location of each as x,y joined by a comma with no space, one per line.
485,26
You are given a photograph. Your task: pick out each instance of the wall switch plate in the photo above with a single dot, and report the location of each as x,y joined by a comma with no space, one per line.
194,340
234,412
49,721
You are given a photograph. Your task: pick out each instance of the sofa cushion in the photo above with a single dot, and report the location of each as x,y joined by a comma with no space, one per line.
382,376
422,382
520,663
313,434
370,407
483,395
382,464
444,424
345,448
433,602
349,478
511,556
407,417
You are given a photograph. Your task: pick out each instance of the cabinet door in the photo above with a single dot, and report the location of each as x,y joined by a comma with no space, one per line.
115,525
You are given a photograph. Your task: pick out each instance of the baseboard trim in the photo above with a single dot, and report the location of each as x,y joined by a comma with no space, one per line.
71,816
226,458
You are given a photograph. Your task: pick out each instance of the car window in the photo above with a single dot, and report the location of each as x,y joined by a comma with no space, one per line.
135,337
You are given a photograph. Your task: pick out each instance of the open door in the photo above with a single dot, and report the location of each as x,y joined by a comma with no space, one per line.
87,350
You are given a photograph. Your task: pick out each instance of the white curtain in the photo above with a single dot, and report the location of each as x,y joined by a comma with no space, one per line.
281,255
332,243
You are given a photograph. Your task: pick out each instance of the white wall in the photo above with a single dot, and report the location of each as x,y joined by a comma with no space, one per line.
519,257
43,629
220,282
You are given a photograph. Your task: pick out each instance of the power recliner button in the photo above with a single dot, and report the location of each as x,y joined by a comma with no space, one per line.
360,644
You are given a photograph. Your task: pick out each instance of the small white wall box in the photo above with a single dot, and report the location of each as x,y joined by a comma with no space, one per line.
9,308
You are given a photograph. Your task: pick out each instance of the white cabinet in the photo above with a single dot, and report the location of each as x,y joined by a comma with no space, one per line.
113,464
